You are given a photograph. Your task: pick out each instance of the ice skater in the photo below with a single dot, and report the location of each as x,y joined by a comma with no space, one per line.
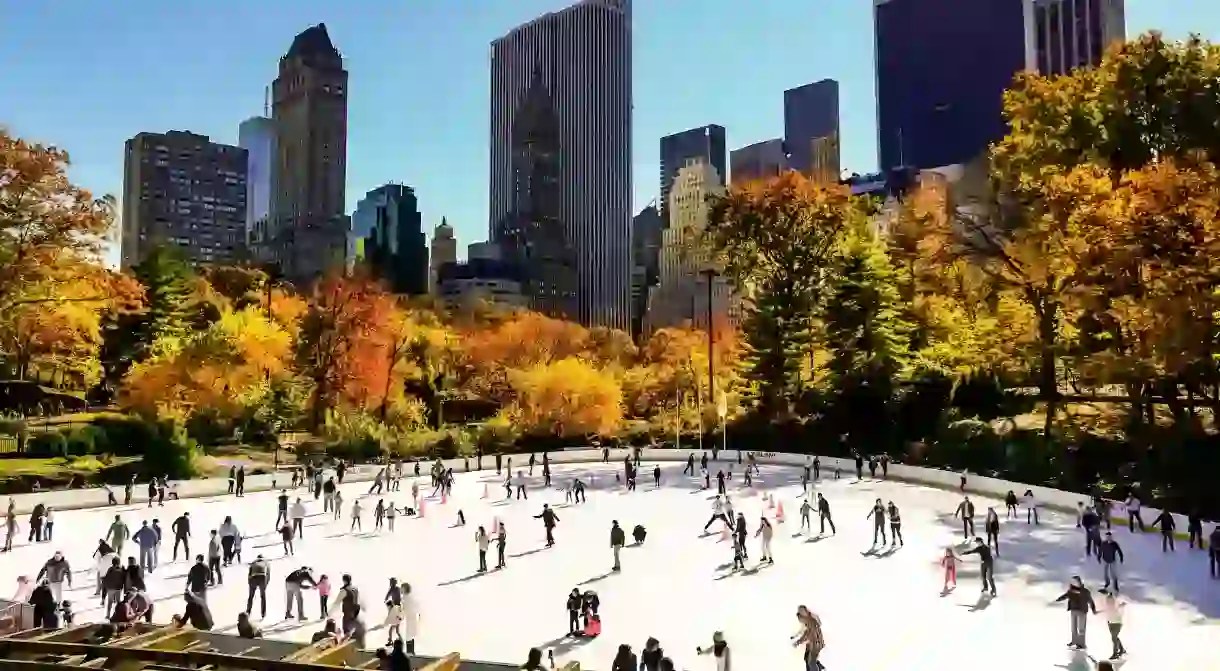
1166,524
1079,603
878,516
1112,608
764,534
298,518
1133,513
805,510
965,510
895,524
337,505
357,511
482,542
1111,555
720,483
1031,507
991,527
501,543
521,493
182,534
690,465
549,520
378,514
1010,506
949,563
740,534
824,516
717,513
618,539
656,475
118,534
281,511
986,564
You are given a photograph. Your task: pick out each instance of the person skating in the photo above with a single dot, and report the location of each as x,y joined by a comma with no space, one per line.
740,534
152,492
810,636
241,481
531,464
624,659
895,524
298,518
228,540
134,575
410,618
824,517
295,585
378,514
1031,506
508,487
45,606
198,576
146,539
720,651
730,517
113,582
549,520
656,475
482,542
717,513
36,516
806,508
501,543
337,505
949,563
258,577
1194,529
986,564
328,495
521,493
618,539
182,534
859,464
1133,513
690,464
965,510
286,539
1079,603
578,491
1112,608
1213,551
991,527
764,534
281,509
1165,522
872,467
357,511
546,476
720,483
805,480
348,601
877,514
1110,553
651,655
117,534
214,557
10,531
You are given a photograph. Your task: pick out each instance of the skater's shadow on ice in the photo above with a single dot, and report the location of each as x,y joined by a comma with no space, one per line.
466,578
527,552
880,552
744,572
596,578
982,604
817,539
565,644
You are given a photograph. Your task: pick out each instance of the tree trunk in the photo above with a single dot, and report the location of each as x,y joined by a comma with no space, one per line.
1048,385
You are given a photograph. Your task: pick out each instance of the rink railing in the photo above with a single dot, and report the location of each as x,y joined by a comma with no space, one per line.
975,484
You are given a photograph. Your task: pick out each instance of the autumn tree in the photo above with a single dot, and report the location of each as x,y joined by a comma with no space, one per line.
566,398
43,217
775,241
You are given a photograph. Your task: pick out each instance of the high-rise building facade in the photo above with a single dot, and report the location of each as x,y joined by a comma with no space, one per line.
761,160
811,129
183,190
560,176
309,107
646,230
705,143
1069,34
257,136
443,249
387,236
942,69
677,297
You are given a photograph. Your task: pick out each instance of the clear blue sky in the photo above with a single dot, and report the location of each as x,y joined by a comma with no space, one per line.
88,74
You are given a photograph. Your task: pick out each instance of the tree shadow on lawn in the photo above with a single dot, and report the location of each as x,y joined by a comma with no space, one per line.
1052,554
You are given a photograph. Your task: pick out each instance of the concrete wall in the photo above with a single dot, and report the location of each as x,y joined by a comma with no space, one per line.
975,484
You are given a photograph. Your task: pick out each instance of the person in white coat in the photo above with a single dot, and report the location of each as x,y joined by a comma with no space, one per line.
410,618
765,531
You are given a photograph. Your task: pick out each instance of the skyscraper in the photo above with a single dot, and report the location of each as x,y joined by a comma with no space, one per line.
646,230
309,99
183,190
811,129
943,67
257,136
560,173
705,143
760,160
443,250
1075,33
387,236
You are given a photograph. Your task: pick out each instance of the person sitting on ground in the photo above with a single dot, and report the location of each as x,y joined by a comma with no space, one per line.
330,629
533,661
246,628
639,533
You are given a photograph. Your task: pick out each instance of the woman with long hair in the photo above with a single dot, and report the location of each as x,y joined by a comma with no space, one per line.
625,660
810,636
719,651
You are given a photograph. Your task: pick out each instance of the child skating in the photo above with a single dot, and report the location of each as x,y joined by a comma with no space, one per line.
949,563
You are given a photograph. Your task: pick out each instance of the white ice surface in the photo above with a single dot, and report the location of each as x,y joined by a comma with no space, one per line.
878,612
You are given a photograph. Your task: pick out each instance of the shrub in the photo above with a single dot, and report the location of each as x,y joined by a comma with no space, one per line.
49,444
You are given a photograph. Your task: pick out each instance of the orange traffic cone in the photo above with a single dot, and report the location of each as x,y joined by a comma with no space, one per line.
770,502
422,504
443,498
484,490
779,513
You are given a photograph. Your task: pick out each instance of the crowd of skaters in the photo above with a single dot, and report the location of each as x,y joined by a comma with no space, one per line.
121,588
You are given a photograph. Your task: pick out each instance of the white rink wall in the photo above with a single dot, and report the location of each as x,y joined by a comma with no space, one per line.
975,484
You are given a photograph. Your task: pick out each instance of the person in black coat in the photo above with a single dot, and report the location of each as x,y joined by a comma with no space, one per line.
198,577
1167,525
574,604
135,575
625,660
1079,603
549,519
43,601
651,655
986,564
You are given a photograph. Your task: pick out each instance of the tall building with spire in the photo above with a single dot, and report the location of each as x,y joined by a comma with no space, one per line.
560,181
444,250
307,233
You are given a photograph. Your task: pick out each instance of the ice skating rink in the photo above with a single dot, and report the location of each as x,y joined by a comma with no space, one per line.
881,611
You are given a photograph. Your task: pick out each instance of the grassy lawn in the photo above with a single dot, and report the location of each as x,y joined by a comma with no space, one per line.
58,467
220,459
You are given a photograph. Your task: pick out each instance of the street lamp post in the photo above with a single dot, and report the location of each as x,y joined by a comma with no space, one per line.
710,273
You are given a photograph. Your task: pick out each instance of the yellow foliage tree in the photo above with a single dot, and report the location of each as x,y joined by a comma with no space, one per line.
569,397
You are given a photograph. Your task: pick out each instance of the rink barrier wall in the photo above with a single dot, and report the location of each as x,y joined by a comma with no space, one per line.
994,488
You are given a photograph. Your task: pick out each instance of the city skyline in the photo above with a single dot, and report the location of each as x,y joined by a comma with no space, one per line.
440,146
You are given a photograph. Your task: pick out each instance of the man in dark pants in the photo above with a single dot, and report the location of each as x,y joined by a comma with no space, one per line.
499,462
198,577
986,564
690,464
256,581
1111,554
182,534
501,543
1213,551
824,515
549,519
1167,525
965,510
1092,531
